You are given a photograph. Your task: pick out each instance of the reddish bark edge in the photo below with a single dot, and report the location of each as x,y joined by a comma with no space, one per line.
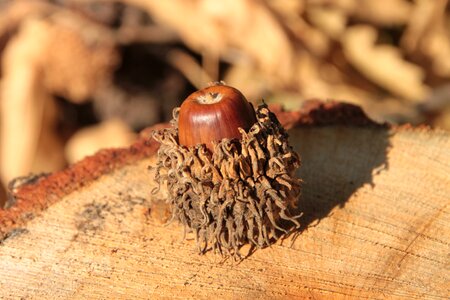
31,195
34,194
319,113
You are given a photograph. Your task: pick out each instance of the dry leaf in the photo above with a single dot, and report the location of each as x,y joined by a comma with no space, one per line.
108,134
383,64
24,100
61,54
330,21
226,26
437,47
428,33
419,20
83,57
383,12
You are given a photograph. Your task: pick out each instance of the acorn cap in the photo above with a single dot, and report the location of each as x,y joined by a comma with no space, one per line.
242,191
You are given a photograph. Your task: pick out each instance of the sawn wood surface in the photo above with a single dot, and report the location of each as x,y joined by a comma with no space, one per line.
376,225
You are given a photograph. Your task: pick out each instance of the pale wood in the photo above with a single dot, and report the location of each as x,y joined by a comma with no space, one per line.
376,225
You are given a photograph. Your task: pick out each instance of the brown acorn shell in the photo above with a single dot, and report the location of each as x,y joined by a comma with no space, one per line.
212,114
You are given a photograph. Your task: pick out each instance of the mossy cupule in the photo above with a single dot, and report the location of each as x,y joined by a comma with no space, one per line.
235,194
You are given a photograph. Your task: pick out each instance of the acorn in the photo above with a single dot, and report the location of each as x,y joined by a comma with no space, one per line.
229,170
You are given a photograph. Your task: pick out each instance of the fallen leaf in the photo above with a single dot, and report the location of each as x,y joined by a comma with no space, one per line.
108,134
383,64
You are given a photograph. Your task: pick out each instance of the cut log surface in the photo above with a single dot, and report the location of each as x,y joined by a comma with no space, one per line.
376,224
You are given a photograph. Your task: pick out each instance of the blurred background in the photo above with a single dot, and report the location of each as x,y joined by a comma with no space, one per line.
77,76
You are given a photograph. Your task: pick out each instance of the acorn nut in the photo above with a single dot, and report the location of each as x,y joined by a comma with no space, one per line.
212,114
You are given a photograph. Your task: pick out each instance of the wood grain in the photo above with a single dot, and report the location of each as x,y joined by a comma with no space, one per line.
376,225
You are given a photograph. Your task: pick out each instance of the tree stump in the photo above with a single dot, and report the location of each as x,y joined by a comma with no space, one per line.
375,225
